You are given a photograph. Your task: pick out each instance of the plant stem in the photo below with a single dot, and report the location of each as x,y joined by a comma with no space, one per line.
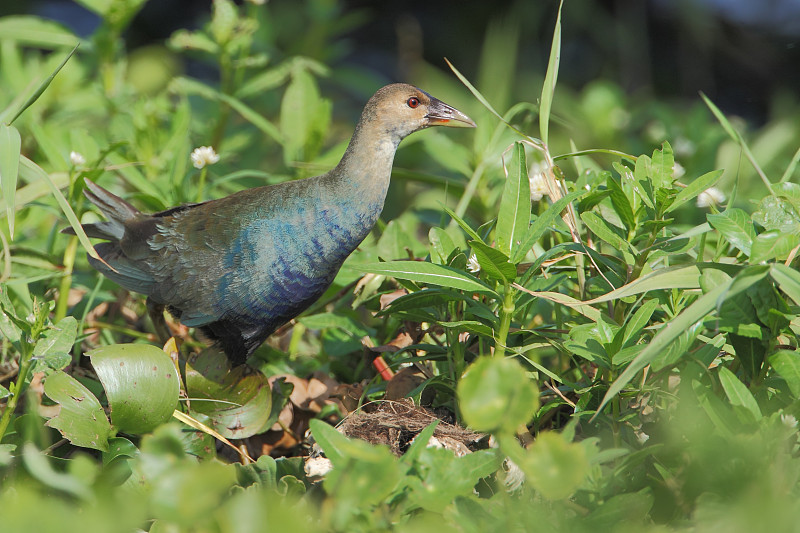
25,360
66,281
505,321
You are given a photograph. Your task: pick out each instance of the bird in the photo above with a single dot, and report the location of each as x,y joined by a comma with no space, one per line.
239,267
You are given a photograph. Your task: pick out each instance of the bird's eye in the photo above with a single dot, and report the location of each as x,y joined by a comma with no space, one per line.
413,102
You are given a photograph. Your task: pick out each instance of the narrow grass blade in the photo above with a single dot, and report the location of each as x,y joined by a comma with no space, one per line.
64,205
550,79
540,225
38,92
726,125
790,169
10,145
695,188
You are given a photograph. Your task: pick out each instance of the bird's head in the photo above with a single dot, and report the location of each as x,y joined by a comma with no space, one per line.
401,109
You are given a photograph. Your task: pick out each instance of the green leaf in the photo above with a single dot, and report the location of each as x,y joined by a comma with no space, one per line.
56,343
662,167
604,231
681,323
787,364
62,203
141,383
549,87
442,245
494,263
466,227
36,31
238,402
735,225
495,395
621,203
695,188
779,214
304,118
556,468
81,419
43,86
788,279
772,245
515,206
541,224
10,145
420,272
738,393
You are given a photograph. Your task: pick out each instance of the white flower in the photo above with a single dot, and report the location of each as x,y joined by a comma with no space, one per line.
677,170
473,265
789,421
76,159
204,155
709,197
538,181
258,2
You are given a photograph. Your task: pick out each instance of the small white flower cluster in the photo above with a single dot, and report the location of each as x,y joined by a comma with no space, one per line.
204,155
473,265
76,159
709,197
536,176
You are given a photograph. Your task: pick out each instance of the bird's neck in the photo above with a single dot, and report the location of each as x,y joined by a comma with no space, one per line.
362,176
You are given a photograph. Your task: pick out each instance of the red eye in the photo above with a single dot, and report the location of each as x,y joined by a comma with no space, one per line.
413,102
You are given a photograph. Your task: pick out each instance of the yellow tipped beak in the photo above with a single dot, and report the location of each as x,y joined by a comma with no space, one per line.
441,114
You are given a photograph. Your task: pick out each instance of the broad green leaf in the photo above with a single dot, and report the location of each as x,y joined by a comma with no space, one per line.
639,320
420,272
36,31
735,225
420,442
787,364
695,188
662,167
621,203
556,468
56,343
788,280
441,245
141,383
238,402
493,262
223,20
603,230
10,145
541,224
738,393
515,206
549,87
495,395
81,419
779,214
304,117
772,245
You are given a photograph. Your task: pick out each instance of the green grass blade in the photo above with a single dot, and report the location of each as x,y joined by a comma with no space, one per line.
726,125
550,79
540,225
63,204
46,83
10,145
790,169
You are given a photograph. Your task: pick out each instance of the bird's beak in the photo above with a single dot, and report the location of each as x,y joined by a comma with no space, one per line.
441,114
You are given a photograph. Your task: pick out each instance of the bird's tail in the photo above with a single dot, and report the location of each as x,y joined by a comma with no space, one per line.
115,209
